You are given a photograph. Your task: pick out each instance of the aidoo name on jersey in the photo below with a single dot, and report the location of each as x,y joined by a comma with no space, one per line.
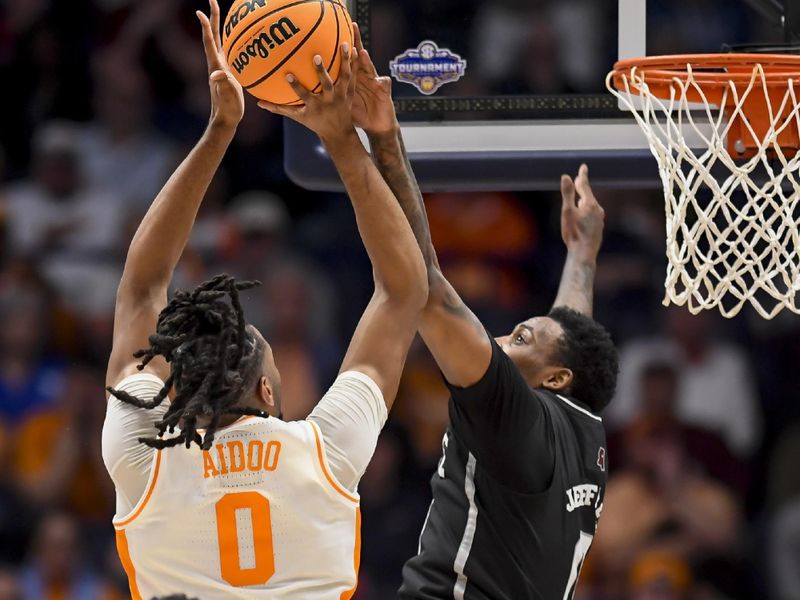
235,457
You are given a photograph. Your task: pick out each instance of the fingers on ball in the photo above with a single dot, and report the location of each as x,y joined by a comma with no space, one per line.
265,76
323,75
298,87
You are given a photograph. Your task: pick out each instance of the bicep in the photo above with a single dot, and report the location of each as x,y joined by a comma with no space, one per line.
454,335
380,343
135,320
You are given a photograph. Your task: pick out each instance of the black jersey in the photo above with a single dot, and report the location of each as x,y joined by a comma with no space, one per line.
516,496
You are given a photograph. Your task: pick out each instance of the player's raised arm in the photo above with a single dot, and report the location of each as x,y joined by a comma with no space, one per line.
582,220
383,336
164,231
452,332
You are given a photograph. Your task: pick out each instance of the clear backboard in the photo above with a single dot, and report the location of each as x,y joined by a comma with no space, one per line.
509,94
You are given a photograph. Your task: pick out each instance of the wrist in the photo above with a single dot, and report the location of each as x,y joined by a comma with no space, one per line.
221,128
335,139
582,256
384,135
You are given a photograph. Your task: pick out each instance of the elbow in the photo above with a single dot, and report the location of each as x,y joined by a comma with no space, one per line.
420,288
139,293
409,289
142,284
415,291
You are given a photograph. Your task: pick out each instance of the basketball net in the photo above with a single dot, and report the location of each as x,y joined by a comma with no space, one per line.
732,235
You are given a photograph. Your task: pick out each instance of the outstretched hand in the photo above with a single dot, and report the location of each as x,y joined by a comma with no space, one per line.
372,109
327,113
582,217
227,97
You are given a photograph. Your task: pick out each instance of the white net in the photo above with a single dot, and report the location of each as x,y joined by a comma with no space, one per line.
732,225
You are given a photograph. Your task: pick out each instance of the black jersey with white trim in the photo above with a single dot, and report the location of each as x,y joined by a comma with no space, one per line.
516,496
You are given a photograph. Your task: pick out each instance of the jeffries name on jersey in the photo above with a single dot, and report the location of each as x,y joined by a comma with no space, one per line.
582,495
235,457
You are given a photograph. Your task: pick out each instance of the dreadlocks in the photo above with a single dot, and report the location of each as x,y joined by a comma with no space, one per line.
203,335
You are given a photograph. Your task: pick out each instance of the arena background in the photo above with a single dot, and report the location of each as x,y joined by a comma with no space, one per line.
102,98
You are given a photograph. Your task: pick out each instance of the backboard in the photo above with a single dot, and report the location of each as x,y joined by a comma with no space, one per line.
509,94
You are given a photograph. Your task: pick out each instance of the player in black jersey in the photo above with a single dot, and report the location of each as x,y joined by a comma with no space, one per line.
519,488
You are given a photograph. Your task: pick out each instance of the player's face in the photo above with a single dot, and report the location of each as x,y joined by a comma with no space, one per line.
532,346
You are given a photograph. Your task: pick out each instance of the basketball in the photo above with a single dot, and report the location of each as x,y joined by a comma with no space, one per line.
263,40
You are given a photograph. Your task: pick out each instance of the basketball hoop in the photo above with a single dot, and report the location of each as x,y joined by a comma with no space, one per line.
725,129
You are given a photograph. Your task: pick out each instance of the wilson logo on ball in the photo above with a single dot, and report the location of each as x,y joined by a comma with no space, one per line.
277,34
265,40
241,12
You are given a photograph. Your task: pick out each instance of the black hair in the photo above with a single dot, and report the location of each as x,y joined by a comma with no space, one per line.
587,350
204,337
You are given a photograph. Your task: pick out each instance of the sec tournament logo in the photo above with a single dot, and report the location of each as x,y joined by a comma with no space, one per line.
428,67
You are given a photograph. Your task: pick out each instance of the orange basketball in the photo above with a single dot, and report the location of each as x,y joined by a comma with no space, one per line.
263,40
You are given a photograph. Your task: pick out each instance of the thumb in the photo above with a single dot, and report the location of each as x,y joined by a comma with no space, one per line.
365,60
218,75
567,193
223,82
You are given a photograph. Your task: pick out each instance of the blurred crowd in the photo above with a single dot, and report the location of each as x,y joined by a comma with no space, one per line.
101,100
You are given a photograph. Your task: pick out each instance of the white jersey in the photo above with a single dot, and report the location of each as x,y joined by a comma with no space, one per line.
260,515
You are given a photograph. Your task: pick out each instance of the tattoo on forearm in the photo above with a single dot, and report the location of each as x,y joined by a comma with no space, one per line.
577,287
392,161
454,305
391,158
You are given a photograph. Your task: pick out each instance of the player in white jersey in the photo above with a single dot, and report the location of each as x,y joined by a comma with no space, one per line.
251,506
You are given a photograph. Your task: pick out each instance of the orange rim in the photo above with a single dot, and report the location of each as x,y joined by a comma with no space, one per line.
712,75
711,70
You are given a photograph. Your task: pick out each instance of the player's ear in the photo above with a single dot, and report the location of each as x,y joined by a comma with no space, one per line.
558,380
265,392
